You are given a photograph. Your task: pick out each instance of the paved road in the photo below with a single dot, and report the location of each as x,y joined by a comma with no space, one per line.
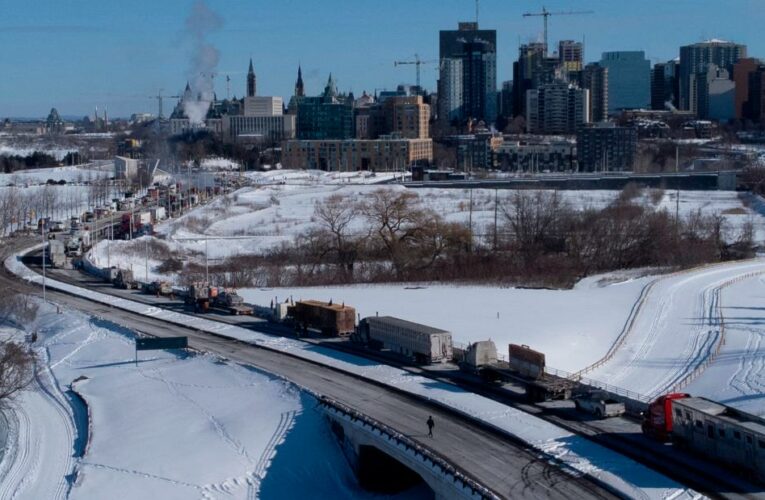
493,459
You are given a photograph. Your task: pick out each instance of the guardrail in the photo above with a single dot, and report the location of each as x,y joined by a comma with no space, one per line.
426,454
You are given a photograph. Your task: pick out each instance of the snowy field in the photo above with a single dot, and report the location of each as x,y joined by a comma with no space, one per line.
75,174
281,207
175,426
573,327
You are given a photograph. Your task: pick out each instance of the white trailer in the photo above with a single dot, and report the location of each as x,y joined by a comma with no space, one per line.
422,343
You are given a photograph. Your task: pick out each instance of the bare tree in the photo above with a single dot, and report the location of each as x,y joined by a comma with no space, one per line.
336,216
17,362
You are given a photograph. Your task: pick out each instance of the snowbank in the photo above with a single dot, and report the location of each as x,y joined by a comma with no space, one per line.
174,426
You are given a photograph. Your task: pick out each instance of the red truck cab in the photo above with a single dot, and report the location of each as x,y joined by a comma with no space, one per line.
657,421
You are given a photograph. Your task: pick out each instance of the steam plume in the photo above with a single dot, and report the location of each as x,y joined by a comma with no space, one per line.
201,22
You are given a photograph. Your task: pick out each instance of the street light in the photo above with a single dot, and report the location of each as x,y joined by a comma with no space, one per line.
43,258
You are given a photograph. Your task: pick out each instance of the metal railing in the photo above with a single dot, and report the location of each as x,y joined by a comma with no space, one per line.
425,454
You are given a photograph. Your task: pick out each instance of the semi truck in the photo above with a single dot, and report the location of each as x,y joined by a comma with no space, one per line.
125,280
329,318
657,420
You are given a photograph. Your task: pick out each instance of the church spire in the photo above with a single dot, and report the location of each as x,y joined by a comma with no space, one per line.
299,88
251,87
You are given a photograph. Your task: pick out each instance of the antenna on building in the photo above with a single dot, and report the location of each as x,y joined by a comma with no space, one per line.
228,87
477,8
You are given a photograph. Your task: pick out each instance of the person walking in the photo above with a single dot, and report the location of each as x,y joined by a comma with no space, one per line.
431,423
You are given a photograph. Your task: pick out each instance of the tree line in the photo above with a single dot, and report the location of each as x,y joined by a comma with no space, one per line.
539,240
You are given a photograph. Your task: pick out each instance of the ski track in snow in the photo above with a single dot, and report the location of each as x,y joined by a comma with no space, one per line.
670,346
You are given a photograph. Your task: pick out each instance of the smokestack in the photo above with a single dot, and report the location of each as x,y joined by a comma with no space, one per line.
201,22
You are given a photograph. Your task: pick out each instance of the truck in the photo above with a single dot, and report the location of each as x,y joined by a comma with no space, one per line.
198,296
232,303
421,343
478,355
657,420
125,280
163,288
329,318
600,404
57,253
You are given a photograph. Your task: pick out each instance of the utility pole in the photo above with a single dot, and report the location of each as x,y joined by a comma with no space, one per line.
470,220
207,264
45,244
496,203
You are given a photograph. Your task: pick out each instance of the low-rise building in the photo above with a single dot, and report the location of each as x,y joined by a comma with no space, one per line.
554,155
606,147
384,154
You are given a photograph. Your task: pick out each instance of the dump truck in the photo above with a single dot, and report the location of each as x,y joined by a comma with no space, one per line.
600,404
232,303
125,280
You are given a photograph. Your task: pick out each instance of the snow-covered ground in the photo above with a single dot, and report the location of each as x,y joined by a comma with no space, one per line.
57,152
281,207
174,426
677,333
75,174
737,375
572,327
630,478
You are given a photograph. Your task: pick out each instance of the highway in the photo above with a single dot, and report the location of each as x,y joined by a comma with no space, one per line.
493,459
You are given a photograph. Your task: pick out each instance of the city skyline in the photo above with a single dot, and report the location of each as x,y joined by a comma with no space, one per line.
119,57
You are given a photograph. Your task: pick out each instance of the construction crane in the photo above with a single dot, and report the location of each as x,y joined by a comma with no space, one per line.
417,62
546,13
159,98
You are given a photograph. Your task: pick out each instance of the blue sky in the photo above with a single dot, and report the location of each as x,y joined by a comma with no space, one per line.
78,54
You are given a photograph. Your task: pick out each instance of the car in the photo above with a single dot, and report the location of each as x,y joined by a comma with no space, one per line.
599,403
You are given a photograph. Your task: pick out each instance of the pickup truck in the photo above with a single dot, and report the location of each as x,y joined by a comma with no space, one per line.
599,404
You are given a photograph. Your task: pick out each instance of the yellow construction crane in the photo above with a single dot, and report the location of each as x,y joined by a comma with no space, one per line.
546,13
417,62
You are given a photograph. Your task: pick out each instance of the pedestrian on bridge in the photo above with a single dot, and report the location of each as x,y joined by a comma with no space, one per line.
431,423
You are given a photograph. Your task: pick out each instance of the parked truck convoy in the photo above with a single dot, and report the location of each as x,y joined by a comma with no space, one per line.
714,430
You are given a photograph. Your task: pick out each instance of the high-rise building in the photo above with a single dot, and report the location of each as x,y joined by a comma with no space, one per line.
715,94
557,108
251,87
741,71
606,147
754,109
695,58
468,74
664,85
570,55
506,99
594,78
629,80
532,69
